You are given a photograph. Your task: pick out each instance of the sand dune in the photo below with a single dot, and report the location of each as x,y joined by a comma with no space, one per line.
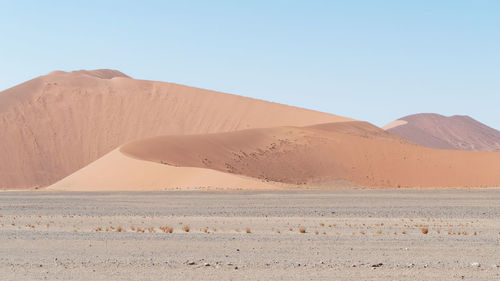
326,155
115,171
56,124
437,131
355,152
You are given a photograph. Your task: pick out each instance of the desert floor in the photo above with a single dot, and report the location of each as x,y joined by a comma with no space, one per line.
349,235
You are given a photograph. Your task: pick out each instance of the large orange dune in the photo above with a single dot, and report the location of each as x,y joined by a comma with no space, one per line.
58,123
325,155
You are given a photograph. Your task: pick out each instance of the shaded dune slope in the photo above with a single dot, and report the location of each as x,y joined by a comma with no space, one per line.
455,132
56,124
356,152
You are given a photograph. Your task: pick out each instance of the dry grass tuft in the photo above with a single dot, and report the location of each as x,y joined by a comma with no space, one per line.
403,232
98,228
302,230
362,232
277,231
424,230
119,229
316,232
321,224
186,228
166,229
132,228
247,230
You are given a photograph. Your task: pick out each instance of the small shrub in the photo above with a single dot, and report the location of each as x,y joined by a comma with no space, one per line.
186,228
424,230
321,224
302,229
119,229
247,230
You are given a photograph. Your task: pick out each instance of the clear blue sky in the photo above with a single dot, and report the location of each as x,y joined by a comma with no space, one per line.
370,60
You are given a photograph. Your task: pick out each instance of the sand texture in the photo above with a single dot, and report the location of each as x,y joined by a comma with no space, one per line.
116,171
348,235
437,131
56,124
354,153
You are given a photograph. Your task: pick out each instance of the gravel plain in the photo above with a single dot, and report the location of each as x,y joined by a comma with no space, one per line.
451,234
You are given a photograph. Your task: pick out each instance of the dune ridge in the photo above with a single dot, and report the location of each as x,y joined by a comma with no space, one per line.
454,132
116,171
353,153
55,124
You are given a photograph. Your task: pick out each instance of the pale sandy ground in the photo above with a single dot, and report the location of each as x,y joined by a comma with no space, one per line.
52,235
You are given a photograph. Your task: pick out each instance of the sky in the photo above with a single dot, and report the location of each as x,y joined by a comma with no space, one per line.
369,60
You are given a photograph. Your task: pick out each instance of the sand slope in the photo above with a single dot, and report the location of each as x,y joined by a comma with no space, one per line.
56,124
437,131
356,152
115,171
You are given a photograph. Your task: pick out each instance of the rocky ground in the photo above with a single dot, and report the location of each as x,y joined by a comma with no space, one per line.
286,235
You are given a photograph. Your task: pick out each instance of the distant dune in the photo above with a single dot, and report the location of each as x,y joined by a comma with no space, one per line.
437,131
56,124
324,155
